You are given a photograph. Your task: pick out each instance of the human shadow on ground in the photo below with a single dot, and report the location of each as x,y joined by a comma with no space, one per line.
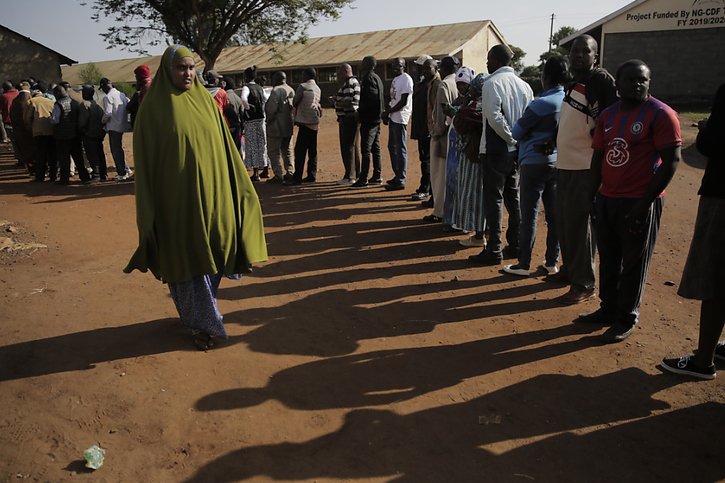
332,322
81,351
301,283
14,180
444,443
309,240
390,376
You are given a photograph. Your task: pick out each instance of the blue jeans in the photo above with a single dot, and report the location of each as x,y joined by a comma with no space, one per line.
501,188
398,150
538,182
115,141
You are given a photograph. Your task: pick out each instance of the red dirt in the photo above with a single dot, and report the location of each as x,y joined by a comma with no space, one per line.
365,349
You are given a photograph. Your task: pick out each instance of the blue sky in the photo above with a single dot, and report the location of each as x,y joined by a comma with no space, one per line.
66,26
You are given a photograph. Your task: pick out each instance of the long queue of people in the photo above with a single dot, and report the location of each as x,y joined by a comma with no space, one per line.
596,150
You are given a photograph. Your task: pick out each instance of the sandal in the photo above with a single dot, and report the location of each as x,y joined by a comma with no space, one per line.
204,341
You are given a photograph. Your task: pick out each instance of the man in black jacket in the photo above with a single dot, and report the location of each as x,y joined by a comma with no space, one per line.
369,114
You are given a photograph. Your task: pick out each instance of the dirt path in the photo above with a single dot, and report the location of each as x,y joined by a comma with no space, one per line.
365,349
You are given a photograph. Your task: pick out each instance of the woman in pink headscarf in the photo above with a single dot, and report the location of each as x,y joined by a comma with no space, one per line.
143,83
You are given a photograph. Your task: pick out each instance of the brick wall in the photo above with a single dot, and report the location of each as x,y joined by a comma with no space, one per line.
687,65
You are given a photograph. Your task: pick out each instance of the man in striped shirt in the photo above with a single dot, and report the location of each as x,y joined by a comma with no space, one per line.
347,101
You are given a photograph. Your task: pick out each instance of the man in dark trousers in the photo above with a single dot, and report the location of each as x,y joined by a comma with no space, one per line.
369,113
636,151
346,102
67,137
591,91
419,126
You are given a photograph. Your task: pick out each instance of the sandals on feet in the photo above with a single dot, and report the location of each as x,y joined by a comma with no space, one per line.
204,341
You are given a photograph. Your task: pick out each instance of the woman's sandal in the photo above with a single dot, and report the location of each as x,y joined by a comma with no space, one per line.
204,341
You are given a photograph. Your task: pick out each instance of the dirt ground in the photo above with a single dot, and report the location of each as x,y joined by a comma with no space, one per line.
365,349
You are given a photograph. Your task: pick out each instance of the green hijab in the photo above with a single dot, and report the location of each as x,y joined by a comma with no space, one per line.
196,209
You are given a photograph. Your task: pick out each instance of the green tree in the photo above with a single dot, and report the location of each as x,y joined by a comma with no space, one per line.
517,62
532,75
90,74
208,26
556,38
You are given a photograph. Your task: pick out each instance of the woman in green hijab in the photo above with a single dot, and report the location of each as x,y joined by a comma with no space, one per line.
198,215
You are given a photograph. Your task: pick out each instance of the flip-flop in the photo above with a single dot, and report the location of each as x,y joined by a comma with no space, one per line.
204,342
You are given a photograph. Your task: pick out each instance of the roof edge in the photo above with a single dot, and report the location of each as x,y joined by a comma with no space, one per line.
68,60
601,21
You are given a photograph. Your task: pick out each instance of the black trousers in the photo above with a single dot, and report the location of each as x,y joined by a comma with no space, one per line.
349,147
44,156
370,146
64,149
424,155
306,146
96,156
624,256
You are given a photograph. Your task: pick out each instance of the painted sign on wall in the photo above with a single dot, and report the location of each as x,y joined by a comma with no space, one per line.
669,15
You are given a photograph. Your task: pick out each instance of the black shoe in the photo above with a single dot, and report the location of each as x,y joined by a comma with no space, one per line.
720,351
510,252
395,187
255,178
375,181
432,219
392,181
309,179
427,203
292,182
618,332
359,184
486,258
598,317
417,196
686,366
265,173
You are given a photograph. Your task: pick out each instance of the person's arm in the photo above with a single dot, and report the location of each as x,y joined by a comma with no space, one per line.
526,123
443,97
272,106
298,96
107,110
55,115
492,111
244,96
400,104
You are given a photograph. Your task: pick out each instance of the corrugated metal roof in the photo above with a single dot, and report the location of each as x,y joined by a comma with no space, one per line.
435,40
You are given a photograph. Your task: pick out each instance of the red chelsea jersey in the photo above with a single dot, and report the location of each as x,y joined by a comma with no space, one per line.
631,141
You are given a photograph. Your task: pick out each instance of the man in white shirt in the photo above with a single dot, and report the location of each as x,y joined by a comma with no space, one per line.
504,98
397,115
115,123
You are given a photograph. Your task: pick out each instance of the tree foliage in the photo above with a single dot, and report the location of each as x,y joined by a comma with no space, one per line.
517,62
208,26
557,37
90,74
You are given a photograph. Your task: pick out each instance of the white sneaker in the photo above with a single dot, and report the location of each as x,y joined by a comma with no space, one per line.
551,269
472,241
516,270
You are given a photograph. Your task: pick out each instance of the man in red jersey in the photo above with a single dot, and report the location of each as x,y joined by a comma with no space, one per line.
636,145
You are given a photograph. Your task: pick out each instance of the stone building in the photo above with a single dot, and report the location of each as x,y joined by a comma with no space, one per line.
22,57
683,42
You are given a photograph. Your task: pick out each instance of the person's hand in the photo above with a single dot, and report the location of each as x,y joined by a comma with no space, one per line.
636,219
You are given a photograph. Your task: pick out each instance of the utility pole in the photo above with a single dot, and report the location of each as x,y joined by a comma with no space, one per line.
551,31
